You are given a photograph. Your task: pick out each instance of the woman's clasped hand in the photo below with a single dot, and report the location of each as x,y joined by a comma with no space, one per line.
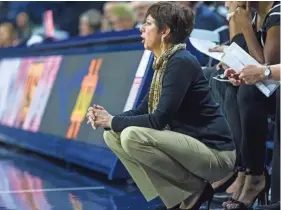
98,117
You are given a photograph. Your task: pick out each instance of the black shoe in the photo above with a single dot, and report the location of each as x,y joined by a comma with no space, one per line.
206,196
223,187
262,197
273,206
165,208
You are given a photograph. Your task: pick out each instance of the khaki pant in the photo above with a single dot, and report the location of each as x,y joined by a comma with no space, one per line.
167,164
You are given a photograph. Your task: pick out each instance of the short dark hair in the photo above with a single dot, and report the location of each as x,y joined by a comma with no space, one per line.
178,18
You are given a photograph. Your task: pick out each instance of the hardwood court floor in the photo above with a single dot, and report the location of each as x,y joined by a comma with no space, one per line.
32,182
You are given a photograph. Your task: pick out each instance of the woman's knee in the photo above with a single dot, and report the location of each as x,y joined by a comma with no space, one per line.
131,138
230,95
106,135
249,95
109,139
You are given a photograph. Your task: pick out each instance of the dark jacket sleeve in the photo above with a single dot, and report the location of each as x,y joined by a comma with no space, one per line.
178,77
142,108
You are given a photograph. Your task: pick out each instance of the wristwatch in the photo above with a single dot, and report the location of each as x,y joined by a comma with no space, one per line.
267,72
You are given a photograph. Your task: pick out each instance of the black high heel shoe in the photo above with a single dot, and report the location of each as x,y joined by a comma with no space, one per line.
233,200
220,194
263,200
206,196
223,187
262,197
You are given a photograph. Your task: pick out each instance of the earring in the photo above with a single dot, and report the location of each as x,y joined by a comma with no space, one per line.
162,45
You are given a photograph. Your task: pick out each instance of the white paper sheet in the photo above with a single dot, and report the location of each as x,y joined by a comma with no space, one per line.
202,34
236,58
204,46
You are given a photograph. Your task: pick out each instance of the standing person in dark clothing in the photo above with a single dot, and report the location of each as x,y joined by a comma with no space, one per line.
250,75
246,105
177,140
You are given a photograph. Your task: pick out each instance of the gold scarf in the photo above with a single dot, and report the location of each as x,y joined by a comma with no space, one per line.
159,66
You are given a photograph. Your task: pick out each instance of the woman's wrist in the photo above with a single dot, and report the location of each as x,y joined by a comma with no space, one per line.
246,27
229,15
267,74
110,121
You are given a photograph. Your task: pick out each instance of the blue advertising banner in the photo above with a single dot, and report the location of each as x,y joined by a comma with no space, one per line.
84,80
44,100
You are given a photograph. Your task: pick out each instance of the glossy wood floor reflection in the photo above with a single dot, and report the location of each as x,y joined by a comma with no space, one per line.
31,182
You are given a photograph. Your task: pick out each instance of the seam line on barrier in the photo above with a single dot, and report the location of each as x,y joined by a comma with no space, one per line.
52,190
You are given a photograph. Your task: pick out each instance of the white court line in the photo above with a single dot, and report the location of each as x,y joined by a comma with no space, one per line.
53,190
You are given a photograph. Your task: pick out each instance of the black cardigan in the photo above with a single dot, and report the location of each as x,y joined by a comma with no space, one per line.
186,105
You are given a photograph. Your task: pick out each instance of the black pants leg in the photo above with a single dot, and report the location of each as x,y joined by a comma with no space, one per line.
233,117
217,88
207,72
254,109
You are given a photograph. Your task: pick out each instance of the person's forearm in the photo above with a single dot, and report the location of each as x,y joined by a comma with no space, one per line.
255,50
275,72
233,29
